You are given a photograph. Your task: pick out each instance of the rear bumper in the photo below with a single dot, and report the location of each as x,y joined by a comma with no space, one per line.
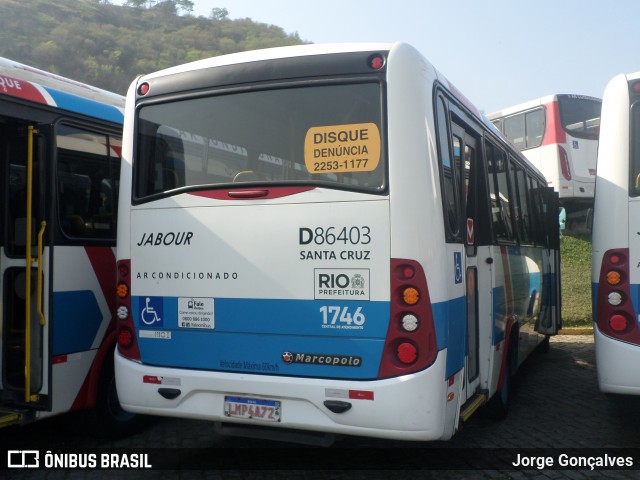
413,407
617,365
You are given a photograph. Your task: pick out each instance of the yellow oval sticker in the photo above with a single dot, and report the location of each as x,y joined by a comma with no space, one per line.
342,148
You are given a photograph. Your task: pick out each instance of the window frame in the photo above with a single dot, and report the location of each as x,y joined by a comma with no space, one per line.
64,236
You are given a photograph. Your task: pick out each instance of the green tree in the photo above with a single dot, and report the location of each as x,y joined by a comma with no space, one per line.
107,45
185,5
219,13
136,3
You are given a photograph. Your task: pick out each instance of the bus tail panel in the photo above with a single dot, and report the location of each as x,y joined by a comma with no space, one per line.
285,337
310,298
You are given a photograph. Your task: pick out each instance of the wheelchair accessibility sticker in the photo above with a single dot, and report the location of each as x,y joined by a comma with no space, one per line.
151,314
457,261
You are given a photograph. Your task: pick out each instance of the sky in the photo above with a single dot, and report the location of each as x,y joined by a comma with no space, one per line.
497,52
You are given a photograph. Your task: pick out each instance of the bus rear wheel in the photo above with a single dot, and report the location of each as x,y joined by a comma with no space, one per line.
108,419
497,407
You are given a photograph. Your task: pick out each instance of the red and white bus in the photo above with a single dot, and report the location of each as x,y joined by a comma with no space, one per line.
559,135
60,142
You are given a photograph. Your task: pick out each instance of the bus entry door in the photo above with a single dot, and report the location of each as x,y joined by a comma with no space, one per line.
548,207
22,272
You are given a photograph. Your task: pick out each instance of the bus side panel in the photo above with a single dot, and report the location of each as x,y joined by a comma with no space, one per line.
81,317
417,222
611,206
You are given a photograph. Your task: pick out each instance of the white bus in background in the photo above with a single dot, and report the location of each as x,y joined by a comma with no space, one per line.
328,239
559,135
616,241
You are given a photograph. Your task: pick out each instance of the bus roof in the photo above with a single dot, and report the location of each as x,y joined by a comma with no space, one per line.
270,54
306,50
28,83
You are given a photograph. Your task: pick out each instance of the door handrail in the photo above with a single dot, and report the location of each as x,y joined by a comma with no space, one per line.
28,397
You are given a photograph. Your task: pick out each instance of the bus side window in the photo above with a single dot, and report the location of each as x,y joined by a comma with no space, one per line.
448,173
534,127
87,172
499,193
514,130
520,204
539,214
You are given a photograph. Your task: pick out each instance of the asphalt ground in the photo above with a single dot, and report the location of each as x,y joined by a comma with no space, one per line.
557,415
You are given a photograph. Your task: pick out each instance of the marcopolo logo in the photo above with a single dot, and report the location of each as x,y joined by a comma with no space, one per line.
322,359
343,284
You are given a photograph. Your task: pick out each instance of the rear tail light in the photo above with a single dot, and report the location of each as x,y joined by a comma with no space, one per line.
127,343
407,353
564,163
618,323
376,62
410,344
615,316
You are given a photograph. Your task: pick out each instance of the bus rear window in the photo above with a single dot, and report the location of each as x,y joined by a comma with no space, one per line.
328,135
580,116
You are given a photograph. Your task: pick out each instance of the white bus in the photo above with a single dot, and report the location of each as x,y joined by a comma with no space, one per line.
616,241
60,166
559,135
328,239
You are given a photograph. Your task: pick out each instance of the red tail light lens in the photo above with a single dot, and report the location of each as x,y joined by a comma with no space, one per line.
125,337
618,323
564,163
376,62
143,89
407,353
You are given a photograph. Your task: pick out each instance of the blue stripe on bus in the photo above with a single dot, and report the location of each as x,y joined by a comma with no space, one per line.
634,291
269,316
76,320
251,335
450,320
86,106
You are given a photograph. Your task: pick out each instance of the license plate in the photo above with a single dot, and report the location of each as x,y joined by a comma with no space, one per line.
252,408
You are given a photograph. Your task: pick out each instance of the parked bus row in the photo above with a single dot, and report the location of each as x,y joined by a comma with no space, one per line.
320,239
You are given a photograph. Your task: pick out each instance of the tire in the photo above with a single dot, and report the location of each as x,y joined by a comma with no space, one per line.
497,407
543,347
108,419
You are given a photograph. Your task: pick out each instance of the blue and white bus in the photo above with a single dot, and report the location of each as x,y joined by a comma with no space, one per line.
327,239
60,165
616,241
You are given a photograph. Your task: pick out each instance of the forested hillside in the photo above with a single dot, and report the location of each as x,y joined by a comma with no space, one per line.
108,45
